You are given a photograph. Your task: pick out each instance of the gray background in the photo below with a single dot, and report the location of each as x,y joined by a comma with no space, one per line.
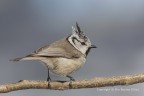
115,26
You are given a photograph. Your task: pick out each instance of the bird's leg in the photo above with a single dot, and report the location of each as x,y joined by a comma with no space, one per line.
48,79
71,79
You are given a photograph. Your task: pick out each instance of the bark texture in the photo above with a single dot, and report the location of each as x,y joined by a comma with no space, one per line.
55,85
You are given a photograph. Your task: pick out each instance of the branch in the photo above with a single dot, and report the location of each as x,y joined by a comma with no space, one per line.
55,85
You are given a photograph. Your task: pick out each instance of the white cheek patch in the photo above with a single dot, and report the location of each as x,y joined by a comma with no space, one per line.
83,49
80,47
77,44
71,42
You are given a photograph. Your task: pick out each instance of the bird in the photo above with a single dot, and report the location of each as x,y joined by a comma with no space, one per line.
64,56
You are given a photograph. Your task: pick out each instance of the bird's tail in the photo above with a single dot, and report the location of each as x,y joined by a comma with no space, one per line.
16,59
28,57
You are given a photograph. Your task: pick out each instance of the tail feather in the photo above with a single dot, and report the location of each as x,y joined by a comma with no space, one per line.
16,59
28,57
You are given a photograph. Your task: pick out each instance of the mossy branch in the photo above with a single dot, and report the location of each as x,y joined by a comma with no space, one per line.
55,85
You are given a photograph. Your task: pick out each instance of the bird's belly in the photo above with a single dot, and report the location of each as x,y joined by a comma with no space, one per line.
64,66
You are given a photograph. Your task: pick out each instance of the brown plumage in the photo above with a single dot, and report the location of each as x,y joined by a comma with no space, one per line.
61,48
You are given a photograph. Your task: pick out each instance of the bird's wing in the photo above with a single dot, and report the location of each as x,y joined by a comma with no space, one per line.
51,52
60,48
44,52
47,51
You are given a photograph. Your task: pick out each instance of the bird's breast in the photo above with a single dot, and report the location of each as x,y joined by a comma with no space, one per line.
64,66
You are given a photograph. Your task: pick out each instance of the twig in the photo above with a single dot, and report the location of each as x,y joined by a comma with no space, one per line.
55,85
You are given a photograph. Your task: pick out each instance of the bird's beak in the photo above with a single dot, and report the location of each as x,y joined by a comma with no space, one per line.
93,46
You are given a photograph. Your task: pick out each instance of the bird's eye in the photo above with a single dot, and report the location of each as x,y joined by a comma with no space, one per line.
83,43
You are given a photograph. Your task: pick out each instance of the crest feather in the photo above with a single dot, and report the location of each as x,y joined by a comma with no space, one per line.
78,28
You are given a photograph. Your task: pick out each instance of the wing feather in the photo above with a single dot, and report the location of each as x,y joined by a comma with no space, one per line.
61,48
50,52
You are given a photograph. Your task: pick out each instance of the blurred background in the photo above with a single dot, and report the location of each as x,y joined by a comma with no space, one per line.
116,27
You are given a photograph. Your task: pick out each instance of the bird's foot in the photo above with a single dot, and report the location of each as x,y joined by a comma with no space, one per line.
49,80
70,82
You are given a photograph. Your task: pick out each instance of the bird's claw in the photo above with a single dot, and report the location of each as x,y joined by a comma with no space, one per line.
49,80
70,82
